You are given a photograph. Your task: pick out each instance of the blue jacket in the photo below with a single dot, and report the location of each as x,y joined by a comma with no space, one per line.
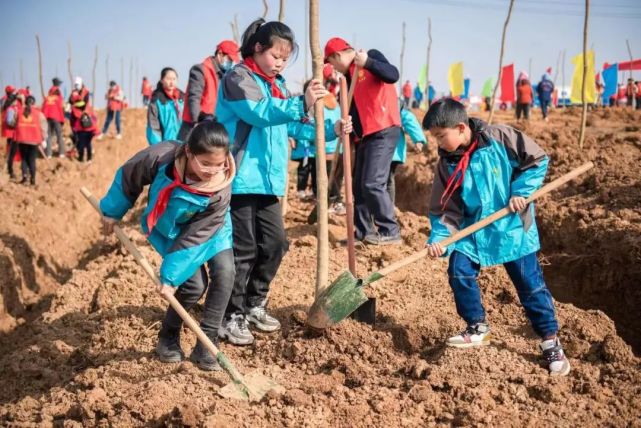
331,115
409,125
301,151
506,163
259,125
163,121
193,228
545,88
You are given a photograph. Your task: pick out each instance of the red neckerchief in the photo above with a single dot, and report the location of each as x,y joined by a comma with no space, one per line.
174,95
163,199
276,92
456,179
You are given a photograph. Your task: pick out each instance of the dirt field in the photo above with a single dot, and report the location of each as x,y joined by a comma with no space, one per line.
78,318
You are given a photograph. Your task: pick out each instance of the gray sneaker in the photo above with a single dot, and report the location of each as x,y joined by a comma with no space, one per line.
235,330
383,239
168,350
259,317
203,358
558,363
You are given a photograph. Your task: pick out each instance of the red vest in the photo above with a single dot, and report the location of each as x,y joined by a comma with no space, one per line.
28,129
210,92
146,88
113,104
52,105
78,96
376,102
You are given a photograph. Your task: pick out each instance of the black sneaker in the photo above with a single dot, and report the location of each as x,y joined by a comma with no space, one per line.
203,358
558,363
168,350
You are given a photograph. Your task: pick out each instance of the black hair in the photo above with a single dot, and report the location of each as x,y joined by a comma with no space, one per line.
9,100
163,73
205,137
266,33
445,113
112,83
29,101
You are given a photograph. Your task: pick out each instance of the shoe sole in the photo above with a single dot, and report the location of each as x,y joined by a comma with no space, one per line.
231,339
564,372
468,345
384,243
214,367
262,327
170,359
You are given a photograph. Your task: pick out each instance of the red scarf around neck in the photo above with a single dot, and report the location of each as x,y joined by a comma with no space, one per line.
174,95
456,179
276,92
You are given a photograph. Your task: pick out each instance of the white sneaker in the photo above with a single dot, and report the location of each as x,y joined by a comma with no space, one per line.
558,363
235,330
118,137
100,136
338,208
474,335
259,317
301,194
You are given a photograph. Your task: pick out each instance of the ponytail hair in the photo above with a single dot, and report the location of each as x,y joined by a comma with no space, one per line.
205,137
265,34
28,103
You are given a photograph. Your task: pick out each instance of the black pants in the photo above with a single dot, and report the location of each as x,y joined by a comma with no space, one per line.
373,206
524,109
334,189
391,182
259,246
218,286
84,145
639,103
302,173
13,149
55,128
28,152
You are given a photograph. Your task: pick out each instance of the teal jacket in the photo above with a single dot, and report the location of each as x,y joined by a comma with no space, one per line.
506,163
259,125
331,116
193,228
302,150
411,127
163,117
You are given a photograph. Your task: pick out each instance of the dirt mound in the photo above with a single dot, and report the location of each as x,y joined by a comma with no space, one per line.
88,360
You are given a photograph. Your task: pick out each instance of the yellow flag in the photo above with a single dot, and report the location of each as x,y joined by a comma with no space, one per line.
455,78
577,79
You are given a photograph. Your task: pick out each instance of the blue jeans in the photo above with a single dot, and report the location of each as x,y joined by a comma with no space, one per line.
110,117
527,277
545,104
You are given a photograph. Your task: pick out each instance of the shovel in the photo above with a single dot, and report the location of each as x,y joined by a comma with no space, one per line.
251,387
345,294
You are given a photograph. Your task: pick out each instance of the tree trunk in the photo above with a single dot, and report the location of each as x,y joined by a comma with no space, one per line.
69,64
400,74
584,113
322,268
427,64
281,11
266,9
42,85
93,75
498,81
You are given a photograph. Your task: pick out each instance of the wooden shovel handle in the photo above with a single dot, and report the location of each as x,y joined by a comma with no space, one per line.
487,220
189,321
347,171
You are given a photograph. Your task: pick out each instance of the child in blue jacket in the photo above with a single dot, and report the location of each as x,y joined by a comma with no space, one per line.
187,221
164,115
259,115
481,169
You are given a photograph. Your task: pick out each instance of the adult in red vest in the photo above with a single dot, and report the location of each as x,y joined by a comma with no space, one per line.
82,119
146,91
54,112
524,96
407,93
9,104
115,100
31,130
376,120
202,88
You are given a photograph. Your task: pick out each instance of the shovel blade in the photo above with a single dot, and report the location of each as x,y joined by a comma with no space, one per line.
336,302
255,386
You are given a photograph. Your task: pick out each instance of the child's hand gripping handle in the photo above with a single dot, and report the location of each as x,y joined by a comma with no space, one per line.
487,220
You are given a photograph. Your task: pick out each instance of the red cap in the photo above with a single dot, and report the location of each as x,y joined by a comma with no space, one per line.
9,89
328,69
229,47
23,91
334,45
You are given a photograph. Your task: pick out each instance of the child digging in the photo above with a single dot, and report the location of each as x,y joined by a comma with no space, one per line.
481,169
187,221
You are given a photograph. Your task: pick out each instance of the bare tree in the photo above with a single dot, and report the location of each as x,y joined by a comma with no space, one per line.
322,261
498,81
266,9
107,70
131,80
627,42
234,29
400,77
584,113
21,74
427,64
93,74
281,11
69,63
558,64
42,86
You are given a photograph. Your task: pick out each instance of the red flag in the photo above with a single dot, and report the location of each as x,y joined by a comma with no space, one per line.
507,84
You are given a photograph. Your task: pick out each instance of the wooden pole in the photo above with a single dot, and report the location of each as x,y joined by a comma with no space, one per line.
563,73
558,64
627,42
42,86
322,268
234,29
584,113
400,77
281,11
137,81
306,40
266,9
131,79
69,63
529,69
93,75
122,71
347,168
21,74
427,64
107,70
498,81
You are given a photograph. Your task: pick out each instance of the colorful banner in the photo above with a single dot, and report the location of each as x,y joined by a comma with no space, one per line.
466,90
577,79
508,90
422,78
488,87
455,79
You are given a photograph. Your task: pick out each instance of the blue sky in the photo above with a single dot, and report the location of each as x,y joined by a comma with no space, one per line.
179,34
